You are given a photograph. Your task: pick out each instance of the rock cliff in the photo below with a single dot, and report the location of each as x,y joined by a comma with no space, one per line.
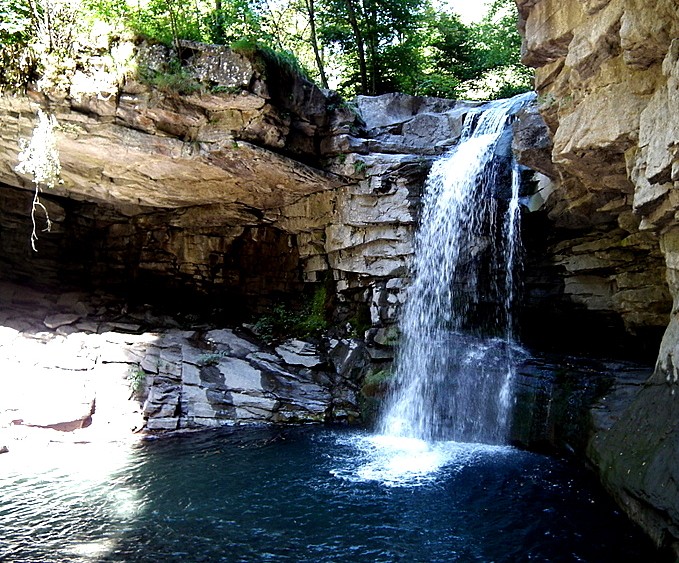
250,187
608,83
246,189
252,191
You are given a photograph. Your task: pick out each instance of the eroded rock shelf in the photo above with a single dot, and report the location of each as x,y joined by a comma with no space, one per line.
607,80
73,360
265,188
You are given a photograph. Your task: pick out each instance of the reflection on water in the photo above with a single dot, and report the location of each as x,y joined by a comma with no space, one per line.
304,495
65,502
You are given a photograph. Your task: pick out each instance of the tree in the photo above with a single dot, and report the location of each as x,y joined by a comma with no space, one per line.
367,34
311,12
355,46
450,57
499,51
453,47
16,59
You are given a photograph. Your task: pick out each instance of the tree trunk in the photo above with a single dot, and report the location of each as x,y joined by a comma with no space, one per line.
360,47
314,42
370,10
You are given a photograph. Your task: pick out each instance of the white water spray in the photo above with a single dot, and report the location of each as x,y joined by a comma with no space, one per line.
455,362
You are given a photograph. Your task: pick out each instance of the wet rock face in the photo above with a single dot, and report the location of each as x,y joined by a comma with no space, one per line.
636,458
562,400
607,79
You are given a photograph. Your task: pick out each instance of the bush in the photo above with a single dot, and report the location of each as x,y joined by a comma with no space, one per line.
283,322
137,380
173,80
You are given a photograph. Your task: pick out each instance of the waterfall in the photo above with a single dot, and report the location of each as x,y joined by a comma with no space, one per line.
455,361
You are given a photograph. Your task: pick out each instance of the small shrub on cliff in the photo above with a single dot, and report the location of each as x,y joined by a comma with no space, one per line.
312,320
376,383
279,323
282,60
283,322
137,380
211,358
173,80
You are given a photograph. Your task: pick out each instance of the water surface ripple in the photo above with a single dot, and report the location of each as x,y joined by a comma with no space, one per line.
305,495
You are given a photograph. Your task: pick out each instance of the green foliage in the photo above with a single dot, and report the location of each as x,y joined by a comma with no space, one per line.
168,21
235,20
108,10
517,84
377,42
137,380
360,166
371,46
499,52
245,46
411,47
454,50
360,322
211,358
284,61
283,322
376,383
31,32
276,324
312,320
15,24
437,85
172,80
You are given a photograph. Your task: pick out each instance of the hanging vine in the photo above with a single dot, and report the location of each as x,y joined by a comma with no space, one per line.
39,158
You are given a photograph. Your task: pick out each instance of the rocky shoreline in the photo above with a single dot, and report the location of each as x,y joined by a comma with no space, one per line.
97,367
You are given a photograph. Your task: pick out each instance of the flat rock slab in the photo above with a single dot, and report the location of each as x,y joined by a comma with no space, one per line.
60,319
299,353
226,340
239,374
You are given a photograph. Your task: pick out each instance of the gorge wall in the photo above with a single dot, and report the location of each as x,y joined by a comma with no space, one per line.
608,83
254,188
239,201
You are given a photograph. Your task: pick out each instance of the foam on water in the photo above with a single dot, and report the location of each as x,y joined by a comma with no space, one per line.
397,461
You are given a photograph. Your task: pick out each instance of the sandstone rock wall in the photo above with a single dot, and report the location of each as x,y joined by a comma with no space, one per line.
234,200
243,194
607,78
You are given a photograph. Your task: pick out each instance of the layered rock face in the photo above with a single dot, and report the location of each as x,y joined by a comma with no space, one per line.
72,360
608,81
169,184
254,192
250,193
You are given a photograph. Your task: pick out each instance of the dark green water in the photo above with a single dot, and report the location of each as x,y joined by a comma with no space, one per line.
305,495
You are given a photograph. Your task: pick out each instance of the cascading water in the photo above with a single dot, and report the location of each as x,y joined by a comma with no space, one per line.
455,362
